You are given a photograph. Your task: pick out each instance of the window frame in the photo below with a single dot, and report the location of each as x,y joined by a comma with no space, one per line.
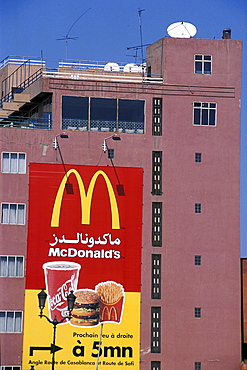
155,365
157,172
197,260
203,62
157,117
155,329
198,208
204,111
7,269
14,324
157,224
18,172
197,312
197,365
198,157
119,124
10,367
156,276
16,215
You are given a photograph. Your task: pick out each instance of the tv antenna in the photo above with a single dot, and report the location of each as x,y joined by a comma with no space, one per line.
140,25
136,48
66,38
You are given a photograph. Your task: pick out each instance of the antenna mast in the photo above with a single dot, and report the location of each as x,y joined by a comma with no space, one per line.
140,25
67,38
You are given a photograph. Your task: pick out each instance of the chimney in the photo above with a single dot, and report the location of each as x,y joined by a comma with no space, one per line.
226,34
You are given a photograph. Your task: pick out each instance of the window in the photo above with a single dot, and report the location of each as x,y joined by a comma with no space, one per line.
197,312
10,368
131,116
10,321
13,162
198,365
47,112
156,224
157,116
203,64
204,114
103,114
156,276
75,113
155,329
198,157
198,260
155,365
13,214
11,266
157,173
198,208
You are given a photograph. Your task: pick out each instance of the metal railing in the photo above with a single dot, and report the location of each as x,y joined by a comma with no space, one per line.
21,87
26,122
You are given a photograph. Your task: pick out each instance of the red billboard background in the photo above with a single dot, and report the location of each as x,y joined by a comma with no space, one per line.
115,254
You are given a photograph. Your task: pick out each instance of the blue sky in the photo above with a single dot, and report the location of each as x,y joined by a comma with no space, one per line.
31,28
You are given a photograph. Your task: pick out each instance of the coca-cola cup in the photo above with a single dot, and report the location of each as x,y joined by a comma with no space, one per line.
60,278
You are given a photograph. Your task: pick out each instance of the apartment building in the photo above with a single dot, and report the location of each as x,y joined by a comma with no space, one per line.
150,156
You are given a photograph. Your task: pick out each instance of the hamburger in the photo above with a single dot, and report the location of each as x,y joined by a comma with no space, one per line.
86,311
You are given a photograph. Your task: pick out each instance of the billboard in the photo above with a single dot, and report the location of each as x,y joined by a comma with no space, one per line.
84,234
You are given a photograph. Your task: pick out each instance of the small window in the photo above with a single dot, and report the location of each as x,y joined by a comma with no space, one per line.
198,208
157,116
197,312
203,64
11,266
198,260
155,365
13,162
204,114
10,321
198,365
157,173
13,214
156,276
10,368
157,224
198,157
155,329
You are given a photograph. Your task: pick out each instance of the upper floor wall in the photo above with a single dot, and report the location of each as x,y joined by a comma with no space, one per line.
178,61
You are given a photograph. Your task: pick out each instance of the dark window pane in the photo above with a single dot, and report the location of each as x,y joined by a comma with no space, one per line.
103,109
103,113
212,117
198,67
74,112
198,57
75,107
198,157
207,67
204,117
196,116
207,57
131,116
131,110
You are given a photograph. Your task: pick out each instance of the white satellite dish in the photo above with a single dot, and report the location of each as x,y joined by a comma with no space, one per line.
112,67
131,67
181,30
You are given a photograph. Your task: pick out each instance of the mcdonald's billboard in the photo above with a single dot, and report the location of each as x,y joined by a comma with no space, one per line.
84,234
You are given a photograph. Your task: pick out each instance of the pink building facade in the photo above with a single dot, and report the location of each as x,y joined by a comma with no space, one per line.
179,120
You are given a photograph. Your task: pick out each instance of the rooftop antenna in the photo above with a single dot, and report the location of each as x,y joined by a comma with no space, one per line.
67,38
140,25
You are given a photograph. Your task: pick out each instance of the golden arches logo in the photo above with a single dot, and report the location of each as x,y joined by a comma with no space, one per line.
86,199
